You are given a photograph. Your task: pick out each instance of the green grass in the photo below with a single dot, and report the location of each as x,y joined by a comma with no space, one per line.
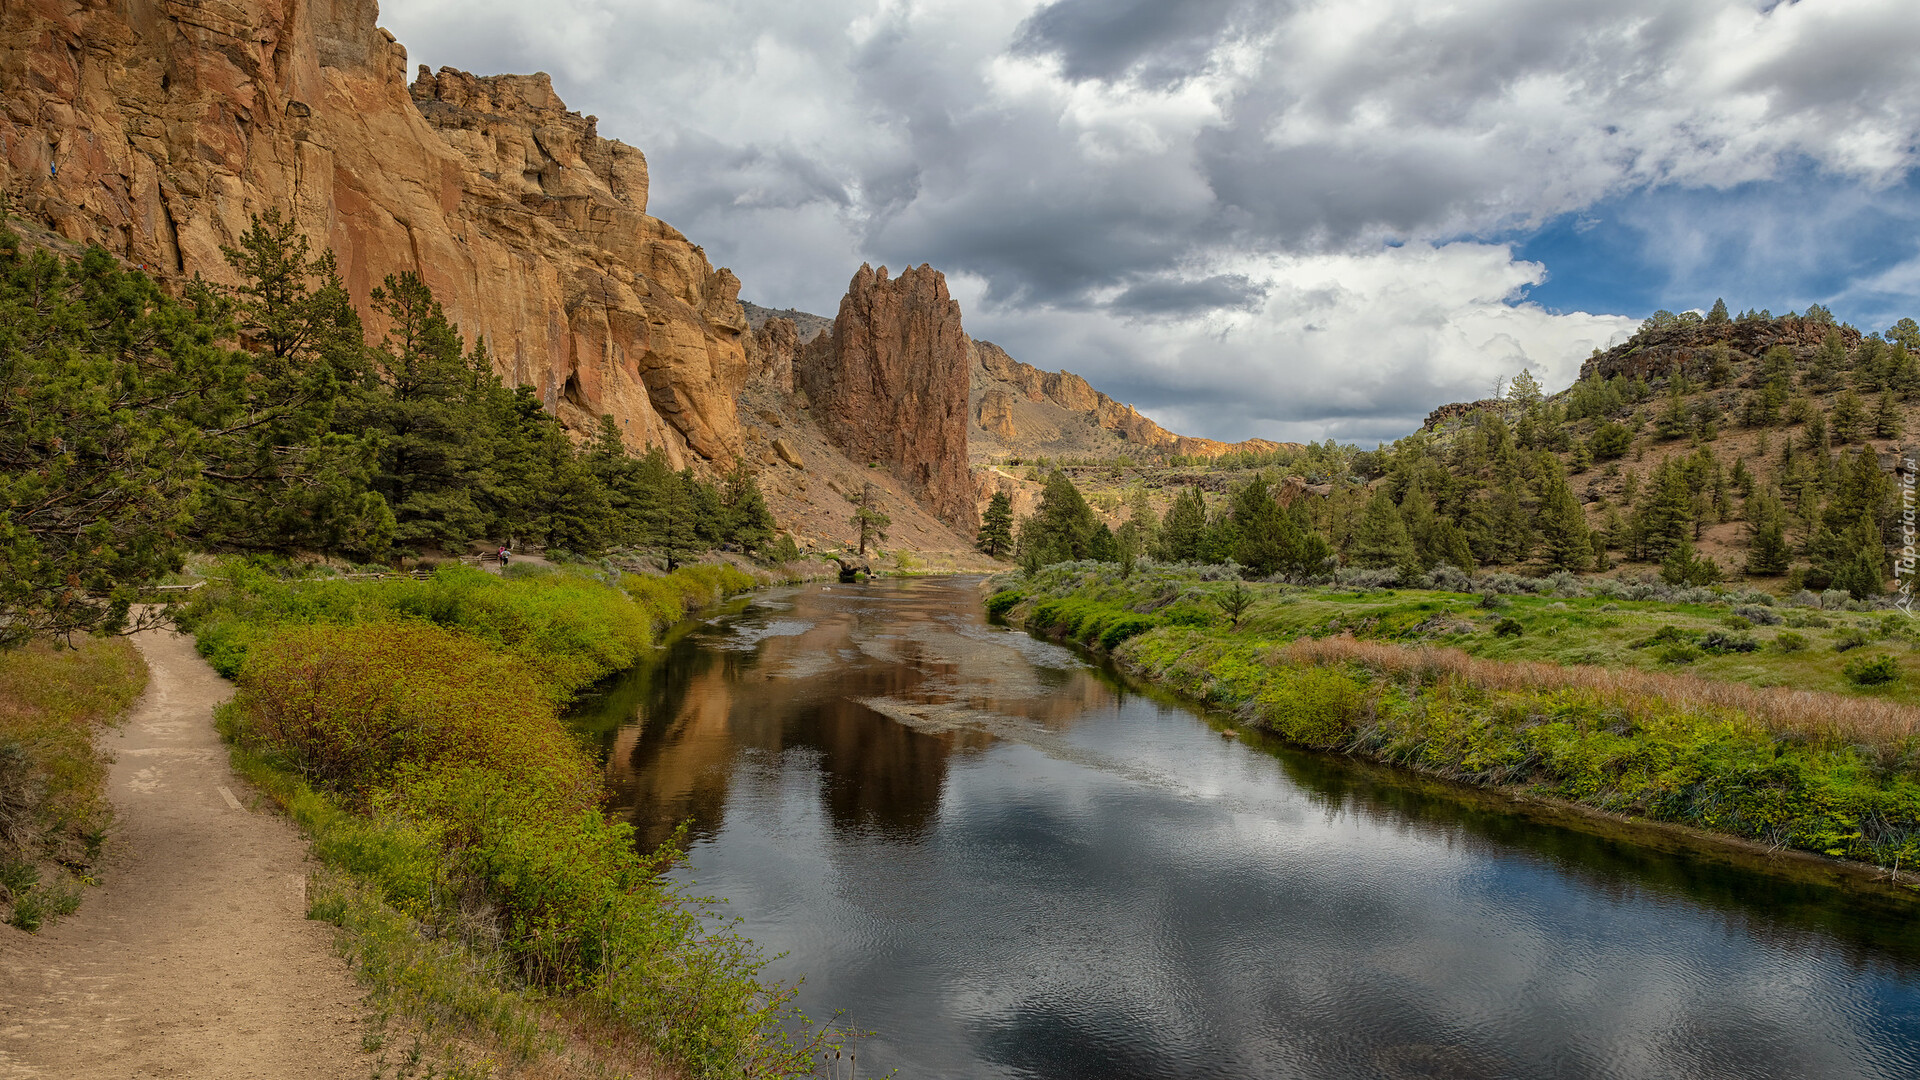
53,808
1582,630
413,729
1578,705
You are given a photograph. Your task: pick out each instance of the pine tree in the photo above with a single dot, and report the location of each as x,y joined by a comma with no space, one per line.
1563,525
1887,421
280,474
426,422
1718,316
1380,539
1063,525
869,524
1847,418
996,526
745,519
1184,528
1666,511
1767,550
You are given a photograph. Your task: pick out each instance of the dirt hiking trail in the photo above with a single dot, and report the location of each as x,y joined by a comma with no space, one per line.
194,958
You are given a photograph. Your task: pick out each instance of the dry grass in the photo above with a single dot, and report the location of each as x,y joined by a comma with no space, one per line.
1829,718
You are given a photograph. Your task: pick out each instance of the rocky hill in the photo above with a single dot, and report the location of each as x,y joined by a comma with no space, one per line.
158,131
155,130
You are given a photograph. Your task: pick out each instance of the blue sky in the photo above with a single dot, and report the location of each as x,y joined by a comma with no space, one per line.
1285,218
1779,244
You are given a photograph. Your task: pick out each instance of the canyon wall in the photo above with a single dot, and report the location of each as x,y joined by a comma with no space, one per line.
1021,410
888,384
155,128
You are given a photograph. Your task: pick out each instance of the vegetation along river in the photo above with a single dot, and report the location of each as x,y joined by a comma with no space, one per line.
1009,863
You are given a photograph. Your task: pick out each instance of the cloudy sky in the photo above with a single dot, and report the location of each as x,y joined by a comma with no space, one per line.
1259,217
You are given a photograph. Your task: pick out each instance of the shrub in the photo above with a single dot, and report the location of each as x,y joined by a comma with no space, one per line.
1758,616
470,796
1871,670
1508,628
1787,641
1737,622
1721,641
1003,601
1850,638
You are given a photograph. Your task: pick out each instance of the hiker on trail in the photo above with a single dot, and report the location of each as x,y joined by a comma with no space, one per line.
503,556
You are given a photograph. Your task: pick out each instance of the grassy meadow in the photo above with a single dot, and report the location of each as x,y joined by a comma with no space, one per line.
1792,726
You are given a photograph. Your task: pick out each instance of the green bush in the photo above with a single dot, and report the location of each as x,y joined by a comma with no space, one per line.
1850,638
1871,670
1003,601
465,790
1508,628
1787,641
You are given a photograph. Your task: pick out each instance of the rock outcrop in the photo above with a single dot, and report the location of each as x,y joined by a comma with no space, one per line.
157,129
1653,353
1064,414
770,352
889,385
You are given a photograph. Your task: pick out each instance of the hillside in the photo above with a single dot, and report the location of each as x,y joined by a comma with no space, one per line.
1709,448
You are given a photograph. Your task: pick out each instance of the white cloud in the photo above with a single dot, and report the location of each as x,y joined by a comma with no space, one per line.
1139,155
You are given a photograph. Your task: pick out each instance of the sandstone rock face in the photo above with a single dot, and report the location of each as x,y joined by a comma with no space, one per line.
770,351
996,415
1029,410
157,129
889,385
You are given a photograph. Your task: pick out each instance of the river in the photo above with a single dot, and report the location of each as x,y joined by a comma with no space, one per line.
1009,863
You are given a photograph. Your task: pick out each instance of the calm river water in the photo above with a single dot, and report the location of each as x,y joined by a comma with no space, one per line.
1010,865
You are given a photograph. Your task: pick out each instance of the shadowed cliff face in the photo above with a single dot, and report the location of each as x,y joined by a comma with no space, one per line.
889,385
156,128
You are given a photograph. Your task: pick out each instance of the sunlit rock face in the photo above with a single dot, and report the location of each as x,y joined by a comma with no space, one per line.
157,129
889,384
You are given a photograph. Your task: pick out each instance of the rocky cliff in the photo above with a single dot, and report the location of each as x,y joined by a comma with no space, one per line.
888,384
156,127
1020,410
1652,353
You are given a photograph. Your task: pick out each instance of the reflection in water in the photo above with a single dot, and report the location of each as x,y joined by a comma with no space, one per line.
1010,866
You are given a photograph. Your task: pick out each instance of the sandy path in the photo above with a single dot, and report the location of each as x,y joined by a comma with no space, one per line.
194,958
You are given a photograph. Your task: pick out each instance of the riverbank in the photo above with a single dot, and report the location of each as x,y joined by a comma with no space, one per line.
1830,775
54,703
411,728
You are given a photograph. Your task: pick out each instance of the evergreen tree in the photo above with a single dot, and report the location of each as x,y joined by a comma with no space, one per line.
1848,417
428,427
1665,515
1767,550
98,472
1184,528
869,524
1062,526
1718,316
996,526
1380,539
280,474
1887,421
1563,524
745,520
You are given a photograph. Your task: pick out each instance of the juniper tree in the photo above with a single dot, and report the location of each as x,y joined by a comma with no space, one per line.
1184,528
996,526
1563,524
869,524
1768,552
1887,421
1847,417
1380,539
